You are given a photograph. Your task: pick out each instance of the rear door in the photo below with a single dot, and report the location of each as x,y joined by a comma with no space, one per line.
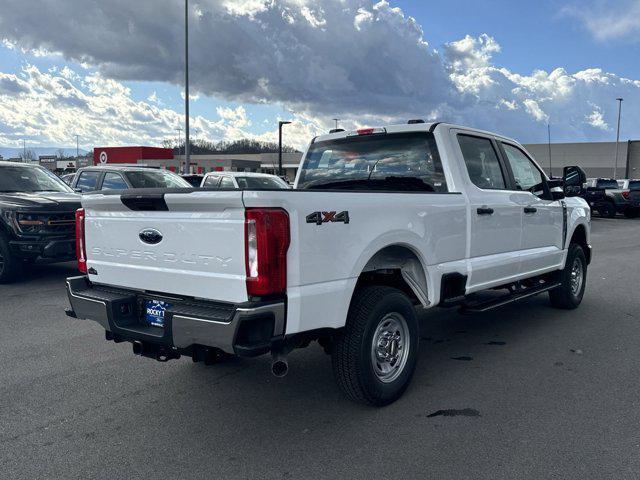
200,252
495,214
542,223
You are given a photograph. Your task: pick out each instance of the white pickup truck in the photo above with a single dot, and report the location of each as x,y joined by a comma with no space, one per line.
381,222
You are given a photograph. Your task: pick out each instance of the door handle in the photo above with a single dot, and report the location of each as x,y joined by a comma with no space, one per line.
485,211
530,209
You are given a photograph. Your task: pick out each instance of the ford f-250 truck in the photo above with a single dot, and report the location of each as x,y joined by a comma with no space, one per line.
380,221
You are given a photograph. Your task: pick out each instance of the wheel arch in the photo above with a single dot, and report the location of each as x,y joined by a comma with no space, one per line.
579,235
399,265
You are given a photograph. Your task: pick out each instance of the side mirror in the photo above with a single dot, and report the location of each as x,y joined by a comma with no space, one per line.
77,190
573,178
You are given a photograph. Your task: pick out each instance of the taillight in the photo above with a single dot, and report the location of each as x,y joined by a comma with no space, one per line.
266,244
369,131
80,245
625,195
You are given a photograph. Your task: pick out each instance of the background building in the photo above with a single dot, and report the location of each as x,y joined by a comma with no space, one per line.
596,158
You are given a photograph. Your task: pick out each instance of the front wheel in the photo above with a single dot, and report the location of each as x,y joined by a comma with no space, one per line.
376,353
573,280
10,266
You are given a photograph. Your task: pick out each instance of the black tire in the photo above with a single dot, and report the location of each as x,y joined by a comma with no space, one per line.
358,375
10,266
568,295
607,210
631,212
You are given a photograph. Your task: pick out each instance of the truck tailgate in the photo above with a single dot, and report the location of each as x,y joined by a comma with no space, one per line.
200,252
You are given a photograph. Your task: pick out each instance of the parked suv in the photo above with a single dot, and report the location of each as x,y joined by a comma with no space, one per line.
37,218
382,220
243,181
114,177
626,197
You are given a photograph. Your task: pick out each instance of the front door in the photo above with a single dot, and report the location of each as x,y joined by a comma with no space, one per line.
542,224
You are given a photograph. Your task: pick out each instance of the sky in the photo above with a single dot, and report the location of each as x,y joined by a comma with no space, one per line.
111,71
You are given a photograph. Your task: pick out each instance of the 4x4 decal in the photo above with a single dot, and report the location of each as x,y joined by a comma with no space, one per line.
325,217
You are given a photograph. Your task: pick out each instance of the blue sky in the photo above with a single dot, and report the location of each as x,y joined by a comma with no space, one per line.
480,68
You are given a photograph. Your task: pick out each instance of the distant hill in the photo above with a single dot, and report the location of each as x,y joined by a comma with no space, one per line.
17,152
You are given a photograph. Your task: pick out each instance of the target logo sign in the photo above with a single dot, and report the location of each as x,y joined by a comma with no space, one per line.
103,157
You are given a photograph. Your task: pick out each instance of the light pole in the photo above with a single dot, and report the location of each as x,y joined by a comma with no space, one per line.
549,137
336,120
24,150
615,165
186,86
280,124
179,130
77,146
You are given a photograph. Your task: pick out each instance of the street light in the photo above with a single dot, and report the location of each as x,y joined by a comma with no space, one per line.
186,86
336,120
549,143
615,165
280,124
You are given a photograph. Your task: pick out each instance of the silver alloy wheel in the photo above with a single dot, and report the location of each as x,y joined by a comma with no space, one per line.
390,347
577,277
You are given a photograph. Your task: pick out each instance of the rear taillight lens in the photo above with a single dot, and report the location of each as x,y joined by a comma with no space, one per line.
625,195
80,245
266,244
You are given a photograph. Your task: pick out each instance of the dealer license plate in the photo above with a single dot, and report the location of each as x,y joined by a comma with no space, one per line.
154,311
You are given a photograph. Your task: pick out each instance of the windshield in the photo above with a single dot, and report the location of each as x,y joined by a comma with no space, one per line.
606,184
406,161
30,179
156,179
261,183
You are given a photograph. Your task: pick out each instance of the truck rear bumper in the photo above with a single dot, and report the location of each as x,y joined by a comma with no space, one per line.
246,329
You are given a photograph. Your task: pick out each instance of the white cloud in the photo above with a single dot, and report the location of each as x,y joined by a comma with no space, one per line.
607,20
48,108
363,62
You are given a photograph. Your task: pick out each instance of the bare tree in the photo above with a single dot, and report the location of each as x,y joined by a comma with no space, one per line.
28,155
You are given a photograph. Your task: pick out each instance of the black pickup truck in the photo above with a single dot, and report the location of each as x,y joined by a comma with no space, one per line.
37,218
595,193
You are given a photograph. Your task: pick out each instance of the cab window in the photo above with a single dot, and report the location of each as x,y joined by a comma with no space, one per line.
211,181
114,181
526,174
227,183
482,162
87,181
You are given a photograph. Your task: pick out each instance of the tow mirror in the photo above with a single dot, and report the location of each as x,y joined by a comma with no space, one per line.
573,178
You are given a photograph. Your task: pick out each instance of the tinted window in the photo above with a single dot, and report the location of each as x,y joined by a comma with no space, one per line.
606,183
114,181
482,162
156,179
227,183
87,181
30,179
526,175
261,183
634,185
407,161
212,181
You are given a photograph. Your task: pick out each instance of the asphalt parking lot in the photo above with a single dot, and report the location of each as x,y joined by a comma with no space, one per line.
523,392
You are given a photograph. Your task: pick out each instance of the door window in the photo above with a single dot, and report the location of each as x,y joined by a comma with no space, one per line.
526,174
482,162
87,181
227,183
211,181
114,181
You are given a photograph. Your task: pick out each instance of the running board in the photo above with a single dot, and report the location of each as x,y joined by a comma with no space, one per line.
507,299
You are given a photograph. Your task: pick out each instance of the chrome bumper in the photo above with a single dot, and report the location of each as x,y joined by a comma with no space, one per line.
246,329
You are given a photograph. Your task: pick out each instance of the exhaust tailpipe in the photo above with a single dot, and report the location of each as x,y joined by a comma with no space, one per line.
279,366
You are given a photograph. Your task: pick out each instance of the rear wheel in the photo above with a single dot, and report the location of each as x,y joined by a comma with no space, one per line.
375,356
573,280
10,266
607,210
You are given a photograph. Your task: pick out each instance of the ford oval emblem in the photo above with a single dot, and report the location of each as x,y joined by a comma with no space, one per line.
150,236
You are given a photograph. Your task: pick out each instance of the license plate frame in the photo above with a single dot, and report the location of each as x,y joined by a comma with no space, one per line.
153,312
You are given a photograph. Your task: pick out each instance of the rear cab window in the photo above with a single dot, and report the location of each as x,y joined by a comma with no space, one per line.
88,180
481,160
387,162
113,181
